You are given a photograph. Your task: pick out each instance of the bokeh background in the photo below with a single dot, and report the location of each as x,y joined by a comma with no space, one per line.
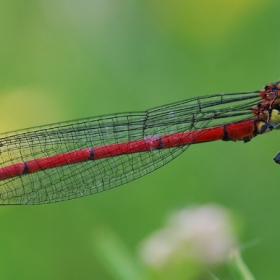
68,59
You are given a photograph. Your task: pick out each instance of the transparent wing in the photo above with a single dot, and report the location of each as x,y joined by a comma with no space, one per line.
90,177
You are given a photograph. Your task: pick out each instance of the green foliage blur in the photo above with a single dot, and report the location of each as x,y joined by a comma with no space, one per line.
66,59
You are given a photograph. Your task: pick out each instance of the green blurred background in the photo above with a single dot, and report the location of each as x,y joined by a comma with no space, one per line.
66,59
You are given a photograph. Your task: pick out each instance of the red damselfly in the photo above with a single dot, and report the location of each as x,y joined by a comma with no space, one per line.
79,158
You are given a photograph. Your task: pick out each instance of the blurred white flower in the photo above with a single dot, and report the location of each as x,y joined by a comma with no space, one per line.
201,234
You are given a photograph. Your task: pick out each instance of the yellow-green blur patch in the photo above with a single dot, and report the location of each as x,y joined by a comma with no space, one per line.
191,18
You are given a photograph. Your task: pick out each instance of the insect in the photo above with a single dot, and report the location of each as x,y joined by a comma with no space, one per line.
74,159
